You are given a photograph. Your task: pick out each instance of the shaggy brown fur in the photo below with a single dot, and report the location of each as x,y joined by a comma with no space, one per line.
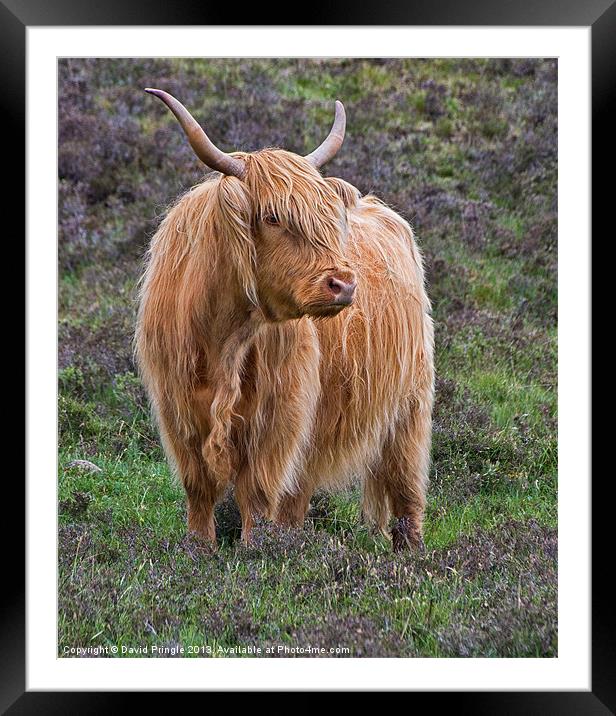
258,378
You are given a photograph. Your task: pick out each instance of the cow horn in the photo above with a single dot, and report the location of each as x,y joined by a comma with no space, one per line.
328,150
209,154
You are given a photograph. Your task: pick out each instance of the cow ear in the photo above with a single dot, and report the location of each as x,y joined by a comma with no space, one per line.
234,206
347,192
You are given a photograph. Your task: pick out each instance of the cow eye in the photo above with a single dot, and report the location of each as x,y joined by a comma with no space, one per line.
271,219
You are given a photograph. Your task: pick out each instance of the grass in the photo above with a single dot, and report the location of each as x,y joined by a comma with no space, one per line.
466,150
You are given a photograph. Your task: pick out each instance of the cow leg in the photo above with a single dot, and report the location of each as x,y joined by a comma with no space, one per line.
292,509
260,486
403,474
201,497
251,501
201,491
200,502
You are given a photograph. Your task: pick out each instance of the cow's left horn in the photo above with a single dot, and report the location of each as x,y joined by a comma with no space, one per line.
207,152
328,150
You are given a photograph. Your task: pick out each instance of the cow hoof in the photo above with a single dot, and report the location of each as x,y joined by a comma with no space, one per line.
405,536
197,543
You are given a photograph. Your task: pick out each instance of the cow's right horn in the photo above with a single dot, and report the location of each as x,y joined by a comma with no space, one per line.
207,152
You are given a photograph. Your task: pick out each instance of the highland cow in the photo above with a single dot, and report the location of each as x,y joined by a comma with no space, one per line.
285,341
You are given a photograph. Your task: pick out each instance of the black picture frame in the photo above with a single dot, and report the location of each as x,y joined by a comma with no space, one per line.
17,15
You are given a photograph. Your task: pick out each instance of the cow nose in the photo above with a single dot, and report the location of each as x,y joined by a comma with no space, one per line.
343,290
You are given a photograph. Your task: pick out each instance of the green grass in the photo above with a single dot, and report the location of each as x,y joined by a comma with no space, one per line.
466,149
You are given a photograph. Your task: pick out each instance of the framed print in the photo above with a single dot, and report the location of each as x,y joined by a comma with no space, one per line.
308,355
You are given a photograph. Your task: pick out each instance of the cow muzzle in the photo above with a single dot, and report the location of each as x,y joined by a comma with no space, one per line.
342,288
339,288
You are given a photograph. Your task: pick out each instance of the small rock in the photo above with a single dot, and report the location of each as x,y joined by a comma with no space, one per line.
84,465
